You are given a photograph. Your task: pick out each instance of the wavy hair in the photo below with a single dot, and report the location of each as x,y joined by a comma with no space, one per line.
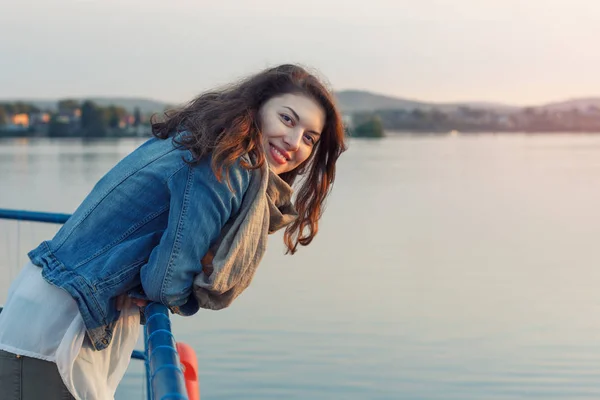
224,123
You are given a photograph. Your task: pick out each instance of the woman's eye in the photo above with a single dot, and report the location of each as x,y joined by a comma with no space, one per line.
310,139
287,118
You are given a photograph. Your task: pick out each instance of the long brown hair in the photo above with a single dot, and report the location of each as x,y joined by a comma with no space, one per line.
225,124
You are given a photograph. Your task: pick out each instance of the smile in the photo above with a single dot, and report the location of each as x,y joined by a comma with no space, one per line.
278,155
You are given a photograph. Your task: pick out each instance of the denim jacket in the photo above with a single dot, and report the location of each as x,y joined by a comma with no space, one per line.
143,228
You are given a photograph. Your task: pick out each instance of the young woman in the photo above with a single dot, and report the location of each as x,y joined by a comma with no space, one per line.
180,221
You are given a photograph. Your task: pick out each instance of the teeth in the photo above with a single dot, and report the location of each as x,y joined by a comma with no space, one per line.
278,152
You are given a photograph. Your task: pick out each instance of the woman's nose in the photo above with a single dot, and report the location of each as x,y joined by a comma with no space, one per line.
292,140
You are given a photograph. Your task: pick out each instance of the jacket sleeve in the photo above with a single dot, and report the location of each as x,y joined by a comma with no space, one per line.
200,206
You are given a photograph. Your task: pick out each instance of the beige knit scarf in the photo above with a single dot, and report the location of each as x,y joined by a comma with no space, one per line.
266,208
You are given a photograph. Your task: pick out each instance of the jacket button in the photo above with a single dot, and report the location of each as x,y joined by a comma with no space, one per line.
104,341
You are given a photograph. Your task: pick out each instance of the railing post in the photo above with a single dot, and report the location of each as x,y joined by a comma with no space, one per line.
166,376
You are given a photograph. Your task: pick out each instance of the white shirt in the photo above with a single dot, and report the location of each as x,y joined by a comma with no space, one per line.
42,321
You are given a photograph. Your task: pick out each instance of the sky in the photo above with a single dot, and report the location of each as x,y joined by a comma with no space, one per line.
520,52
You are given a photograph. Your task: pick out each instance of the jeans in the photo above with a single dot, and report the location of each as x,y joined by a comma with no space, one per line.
26,378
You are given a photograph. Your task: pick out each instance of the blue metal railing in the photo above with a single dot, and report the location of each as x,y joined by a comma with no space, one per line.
34,216
164,375
162,364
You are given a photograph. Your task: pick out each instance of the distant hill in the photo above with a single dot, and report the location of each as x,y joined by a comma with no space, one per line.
359,100
582,104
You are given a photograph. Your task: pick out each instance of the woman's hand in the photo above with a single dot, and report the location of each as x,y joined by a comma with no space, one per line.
124,301
206,261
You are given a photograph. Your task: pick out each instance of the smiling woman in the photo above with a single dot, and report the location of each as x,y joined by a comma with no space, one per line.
228,123
182,221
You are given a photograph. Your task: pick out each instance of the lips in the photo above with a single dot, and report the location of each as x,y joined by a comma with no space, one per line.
278,155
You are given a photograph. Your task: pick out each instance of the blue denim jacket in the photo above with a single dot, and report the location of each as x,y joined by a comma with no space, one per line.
144,227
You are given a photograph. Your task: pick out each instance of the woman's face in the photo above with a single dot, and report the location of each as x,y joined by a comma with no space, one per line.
291,126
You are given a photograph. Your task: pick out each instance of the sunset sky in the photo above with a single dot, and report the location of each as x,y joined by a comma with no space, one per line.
510,51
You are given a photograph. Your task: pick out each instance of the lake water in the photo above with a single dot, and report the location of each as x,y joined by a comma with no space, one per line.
462,267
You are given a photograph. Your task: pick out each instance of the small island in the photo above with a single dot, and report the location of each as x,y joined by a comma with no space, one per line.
370,127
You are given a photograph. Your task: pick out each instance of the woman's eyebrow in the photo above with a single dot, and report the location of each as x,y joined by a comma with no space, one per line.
293,112
298,118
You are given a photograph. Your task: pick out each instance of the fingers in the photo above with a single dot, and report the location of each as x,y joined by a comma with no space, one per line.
208,258
139,302
207,270
124,301
127,303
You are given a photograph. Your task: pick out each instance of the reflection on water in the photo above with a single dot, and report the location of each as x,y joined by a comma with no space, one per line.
445,268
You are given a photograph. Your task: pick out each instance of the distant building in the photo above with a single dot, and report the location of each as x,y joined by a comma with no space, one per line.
21,120
71,117
37,119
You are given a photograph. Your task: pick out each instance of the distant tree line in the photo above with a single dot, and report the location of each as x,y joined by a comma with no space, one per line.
72,118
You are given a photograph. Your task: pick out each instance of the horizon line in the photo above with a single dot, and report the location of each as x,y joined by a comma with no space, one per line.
364,91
